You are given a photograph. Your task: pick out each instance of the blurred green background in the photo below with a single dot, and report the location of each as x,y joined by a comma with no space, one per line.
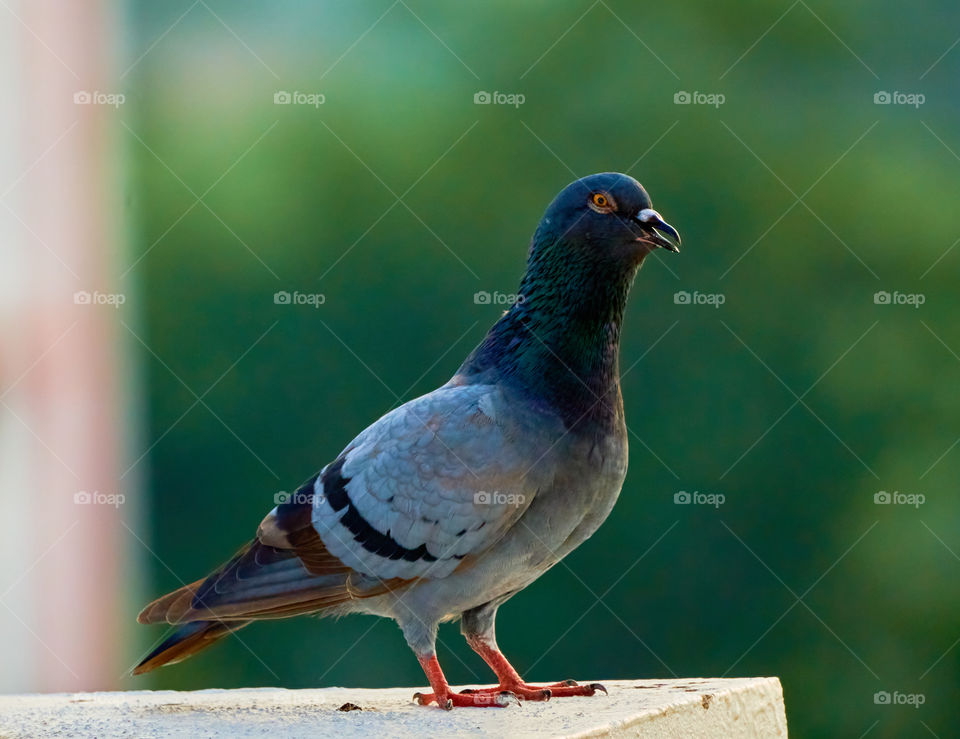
798,399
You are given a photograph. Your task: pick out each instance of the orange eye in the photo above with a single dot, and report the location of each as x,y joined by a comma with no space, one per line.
601,202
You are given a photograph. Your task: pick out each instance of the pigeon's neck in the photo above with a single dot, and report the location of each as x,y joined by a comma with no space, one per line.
560,343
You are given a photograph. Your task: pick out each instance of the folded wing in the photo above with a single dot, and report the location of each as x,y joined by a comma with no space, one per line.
429,484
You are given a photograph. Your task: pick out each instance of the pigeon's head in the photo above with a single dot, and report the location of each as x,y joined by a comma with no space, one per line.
563,332
610,216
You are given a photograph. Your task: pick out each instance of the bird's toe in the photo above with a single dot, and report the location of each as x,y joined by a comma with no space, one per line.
469,698
564,690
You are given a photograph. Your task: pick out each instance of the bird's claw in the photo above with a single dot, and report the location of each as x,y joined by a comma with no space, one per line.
569,688
520,691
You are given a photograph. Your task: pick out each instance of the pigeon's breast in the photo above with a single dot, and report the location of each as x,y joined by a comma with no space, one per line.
581,492
588,480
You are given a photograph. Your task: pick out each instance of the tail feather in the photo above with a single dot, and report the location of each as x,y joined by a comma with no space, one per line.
209,609
187,640
167,608
284,586
285,571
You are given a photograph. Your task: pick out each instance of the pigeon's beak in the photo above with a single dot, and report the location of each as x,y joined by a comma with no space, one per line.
656,231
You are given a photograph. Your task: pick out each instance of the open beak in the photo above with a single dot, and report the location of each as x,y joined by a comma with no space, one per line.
654,230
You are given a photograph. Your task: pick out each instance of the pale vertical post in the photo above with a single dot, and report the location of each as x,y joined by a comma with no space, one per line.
63,415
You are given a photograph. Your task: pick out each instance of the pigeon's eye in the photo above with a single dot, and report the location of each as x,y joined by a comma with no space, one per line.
601,202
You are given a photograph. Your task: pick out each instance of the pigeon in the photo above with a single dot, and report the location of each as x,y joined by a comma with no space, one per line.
453,502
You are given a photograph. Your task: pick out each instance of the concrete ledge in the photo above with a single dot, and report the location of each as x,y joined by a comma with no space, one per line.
729,708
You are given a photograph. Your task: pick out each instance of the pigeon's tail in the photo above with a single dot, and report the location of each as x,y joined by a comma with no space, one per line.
186,641
259,582
286,571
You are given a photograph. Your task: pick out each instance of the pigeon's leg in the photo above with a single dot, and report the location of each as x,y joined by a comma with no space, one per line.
477,626
422,638
446,698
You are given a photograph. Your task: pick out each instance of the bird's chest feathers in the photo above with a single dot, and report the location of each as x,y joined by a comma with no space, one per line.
597,461
589,474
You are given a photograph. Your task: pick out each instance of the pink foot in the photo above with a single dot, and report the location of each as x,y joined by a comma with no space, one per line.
522,690
496,698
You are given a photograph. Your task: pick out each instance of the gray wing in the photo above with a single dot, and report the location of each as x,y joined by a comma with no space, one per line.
433,481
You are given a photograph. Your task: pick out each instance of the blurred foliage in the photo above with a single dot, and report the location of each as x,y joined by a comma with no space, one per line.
798,399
